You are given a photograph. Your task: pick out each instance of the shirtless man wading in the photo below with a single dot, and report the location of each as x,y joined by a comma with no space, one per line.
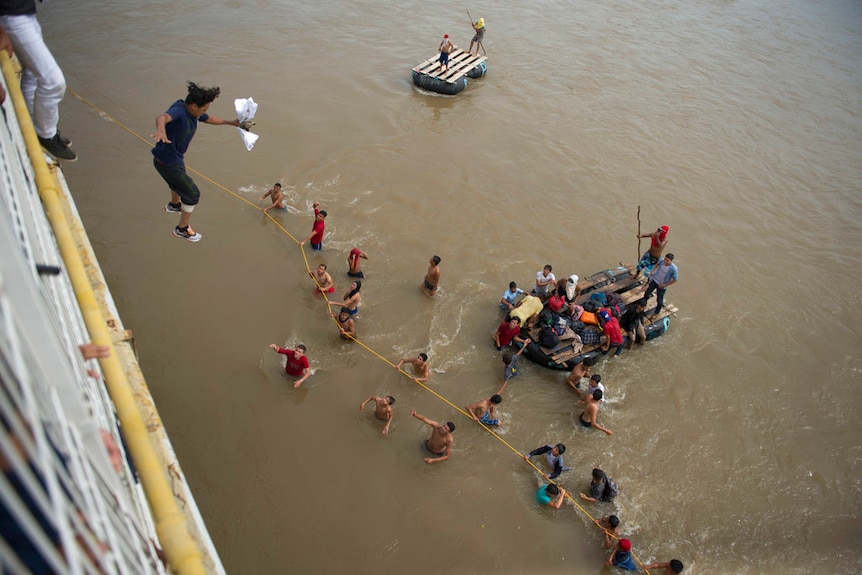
441,441
382,409
432,278
421,369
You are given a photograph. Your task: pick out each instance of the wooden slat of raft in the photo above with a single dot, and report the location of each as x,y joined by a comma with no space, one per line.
569,354
623,282
459,64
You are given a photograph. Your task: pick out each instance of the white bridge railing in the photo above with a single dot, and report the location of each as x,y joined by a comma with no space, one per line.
69,498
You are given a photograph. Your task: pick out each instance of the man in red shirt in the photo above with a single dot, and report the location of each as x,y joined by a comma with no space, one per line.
316,235
611,328
297,363
508,331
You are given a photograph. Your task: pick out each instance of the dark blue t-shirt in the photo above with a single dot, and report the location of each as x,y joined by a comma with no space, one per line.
180,130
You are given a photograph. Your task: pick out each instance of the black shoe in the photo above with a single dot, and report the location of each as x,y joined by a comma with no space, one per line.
66,141
58,149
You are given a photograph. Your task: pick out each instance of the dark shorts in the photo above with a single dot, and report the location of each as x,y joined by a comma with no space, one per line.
429,286
584,423
479,35
647,261
358,274
317,247
179,181
432,452
353,311
444,58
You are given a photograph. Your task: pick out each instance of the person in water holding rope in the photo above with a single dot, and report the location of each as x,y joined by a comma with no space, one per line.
322,279
672,567
382,409
479,27
277,197
485,411
551,495
610,524
622,556
554,455
346,326
421,369
441,441
316,235
174,132
352,298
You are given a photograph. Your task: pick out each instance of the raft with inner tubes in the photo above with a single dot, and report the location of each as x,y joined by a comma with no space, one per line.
570,351
462,66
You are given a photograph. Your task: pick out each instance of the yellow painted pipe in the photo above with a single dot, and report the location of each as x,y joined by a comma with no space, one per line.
183,554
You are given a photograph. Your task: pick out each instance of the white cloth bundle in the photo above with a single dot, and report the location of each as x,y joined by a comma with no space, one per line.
246,108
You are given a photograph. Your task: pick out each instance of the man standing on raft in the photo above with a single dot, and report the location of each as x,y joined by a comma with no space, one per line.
479,27
445,48
658,241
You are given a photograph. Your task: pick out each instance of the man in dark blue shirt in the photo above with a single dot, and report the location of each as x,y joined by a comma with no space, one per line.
174,132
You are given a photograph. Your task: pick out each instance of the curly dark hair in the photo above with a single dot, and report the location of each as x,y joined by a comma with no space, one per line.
201,96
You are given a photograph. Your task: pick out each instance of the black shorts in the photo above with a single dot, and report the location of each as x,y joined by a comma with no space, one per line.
179,181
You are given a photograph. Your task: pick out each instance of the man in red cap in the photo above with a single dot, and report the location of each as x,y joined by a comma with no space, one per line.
446,47
658,240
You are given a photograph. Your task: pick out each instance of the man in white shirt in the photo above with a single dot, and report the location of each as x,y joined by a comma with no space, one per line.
545,281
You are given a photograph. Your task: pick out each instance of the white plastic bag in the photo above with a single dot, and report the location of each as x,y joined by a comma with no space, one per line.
246,108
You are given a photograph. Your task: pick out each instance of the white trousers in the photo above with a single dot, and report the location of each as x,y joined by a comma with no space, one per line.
42,81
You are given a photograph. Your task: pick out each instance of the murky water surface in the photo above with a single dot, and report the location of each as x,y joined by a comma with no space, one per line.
738,124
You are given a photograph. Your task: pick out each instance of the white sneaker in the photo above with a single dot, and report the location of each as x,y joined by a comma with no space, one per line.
187,234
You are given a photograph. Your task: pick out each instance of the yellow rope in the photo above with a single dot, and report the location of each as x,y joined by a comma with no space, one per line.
328,301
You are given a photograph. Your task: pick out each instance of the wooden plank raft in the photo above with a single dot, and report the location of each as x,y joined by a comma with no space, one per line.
460,62
567,349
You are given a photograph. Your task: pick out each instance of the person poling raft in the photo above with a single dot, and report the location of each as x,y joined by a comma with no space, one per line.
479,27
